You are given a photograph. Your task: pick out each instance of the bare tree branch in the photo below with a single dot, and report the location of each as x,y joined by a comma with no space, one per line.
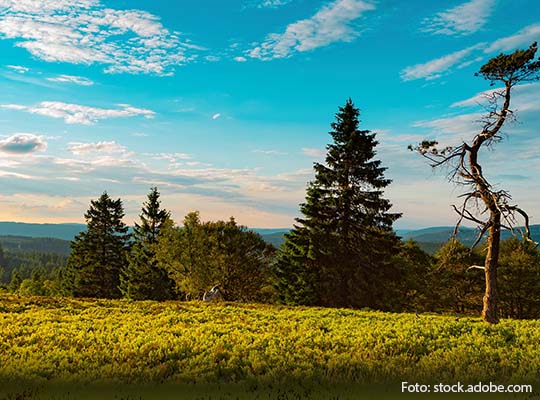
480,235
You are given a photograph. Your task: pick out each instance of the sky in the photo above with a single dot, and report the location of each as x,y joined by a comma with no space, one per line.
226,105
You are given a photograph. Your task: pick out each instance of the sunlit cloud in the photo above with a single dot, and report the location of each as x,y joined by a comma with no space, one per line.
438,67
23,143
441,66
525,37
88,32
464,19
18,68
76,80
99,147
79,114
332,23
272,3
270,152
313,152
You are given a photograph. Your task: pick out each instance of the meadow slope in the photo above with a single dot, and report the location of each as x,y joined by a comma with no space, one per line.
50,344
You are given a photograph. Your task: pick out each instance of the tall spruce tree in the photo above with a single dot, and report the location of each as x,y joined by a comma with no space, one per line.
142,279
100,253
339,252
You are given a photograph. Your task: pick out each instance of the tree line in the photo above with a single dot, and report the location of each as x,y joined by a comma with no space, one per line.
30,272
343,252
185,261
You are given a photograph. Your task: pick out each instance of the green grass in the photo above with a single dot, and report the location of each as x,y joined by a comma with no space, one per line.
70,349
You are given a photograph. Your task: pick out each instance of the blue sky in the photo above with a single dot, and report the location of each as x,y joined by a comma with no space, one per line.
225,105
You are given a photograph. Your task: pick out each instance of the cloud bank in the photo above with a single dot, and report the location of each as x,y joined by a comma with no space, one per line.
87,32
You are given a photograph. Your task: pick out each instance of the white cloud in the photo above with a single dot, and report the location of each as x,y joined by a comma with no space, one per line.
454,128
451,130
18,68
464,19
22,143
78,114
14,107
240,59
436,68
272,3
313,152
171,157
270,152
524,37
6,174
333,23
216,116
77,80
87,32
37,6
525,97
476,100
99,147
197,164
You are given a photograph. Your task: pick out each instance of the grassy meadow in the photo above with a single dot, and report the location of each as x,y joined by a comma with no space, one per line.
59,348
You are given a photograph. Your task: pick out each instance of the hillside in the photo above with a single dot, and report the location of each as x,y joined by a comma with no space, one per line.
58,231
30,244
275,238
430,239
12,236
55,237
256,349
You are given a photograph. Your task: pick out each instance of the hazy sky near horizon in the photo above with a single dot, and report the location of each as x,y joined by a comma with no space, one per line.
225,105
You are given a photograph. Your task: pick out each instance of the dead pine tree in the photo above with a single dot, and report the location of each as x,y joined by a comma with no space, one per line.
483,204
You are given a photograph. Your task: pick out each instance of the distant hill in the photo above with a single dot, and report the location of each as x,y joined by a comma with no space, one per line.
440,234
56,237
40,245
275,238
431,239
58,231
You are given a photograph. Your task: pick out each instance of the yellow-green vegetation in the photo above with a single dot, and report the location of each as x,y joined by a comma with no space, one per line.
50,343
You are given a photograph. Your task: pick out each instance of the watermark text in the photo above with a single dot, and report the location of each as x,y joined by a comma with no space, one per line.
480,387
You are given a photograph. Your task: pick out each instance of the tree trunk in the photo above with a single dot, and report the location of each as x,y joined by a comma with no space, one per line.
490,312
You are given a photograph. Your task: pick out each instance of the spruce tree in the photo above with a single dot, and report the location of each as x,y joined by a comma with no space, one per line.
142,279
100,253
338,253
15,282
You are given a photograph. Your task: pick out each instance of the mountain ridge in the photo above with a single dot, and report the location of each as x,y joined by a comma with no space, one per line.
430,238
